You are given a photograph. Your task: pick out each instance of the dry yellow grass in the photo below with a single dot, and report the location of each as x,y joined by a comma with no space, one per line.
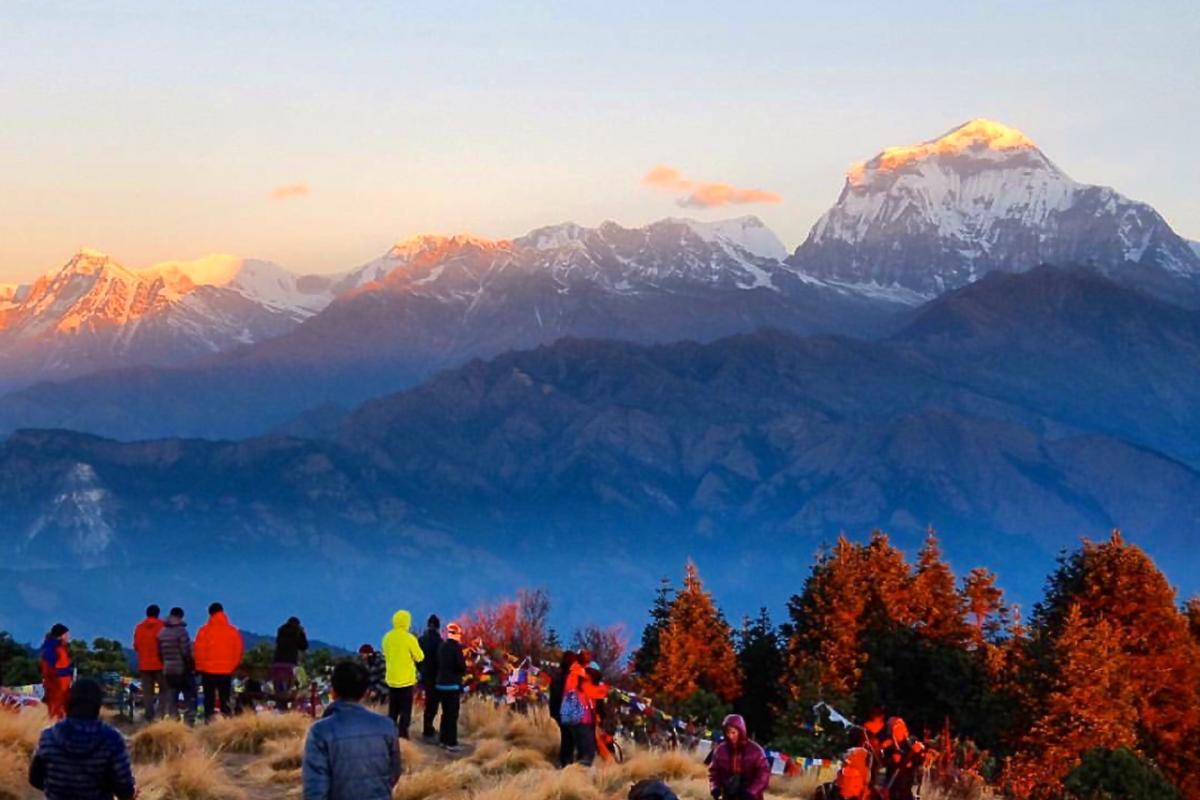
412,756
14,774
163,739
572,783
192,776
452,781
20,730
249,732
484,720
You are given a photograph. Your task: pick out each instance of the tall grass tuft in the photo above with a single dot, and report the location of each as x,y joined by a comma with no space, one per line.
249,732
166,738
192,776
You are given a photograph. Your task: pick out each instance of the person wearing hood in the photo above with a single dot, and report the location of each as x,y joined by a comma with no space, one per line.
451,667
582,690
218,654
82,758
55,661
351,752
402,652
739,769
179,668
430,641
149,662
290,641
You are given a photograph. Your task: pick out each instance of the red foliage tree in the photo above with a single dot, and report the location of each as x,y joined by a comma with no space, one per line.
696,648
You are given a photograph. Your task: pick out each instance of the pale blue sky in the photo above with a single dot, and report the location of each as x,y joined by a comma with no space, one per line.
157,131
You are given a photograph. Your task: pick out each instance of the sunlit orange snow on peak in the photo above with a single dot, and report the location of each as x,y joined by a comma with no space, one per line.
974,136
437,246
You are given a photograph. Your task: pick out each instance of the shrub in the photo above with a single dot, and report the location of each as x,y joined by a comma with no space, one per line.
1121,773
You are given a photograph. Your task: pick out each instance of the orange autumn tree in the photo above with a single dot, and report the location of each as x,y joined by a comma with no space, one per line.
984,602
934,601
1115,584
696,648
1192,611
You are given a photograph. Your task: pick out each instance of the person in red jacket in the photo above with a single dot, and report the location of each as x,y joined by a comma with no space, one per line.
218,653
584,690
150,665
55,661
739,769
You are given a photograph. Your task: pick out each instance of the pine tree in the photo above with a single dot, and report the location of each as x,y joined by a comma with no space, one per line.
1192,611
935,603
1117,585
696,648
646,656
761,659
1089,704
984,602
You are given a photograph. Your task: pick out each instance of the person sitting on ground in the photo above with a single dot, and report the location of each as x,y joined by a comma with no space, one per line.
651,789
351,753
902,757
82,758
452,666
149,662
739,769
290,641
431,642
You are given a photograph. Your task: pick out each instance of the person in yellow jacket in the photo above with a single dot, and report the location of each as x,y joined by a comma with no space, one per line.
402,653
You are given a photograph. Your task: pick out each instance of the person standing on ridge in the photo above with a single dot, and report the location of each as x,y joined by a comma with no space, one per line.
179,667
218,654
82,758
739,769
431,642
290,642
377,670
452,666
402,653
149,662
55,661
558,683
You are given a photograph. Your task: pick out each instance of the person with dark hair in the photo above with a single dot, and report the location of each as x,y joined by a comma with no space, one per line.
179,668
452,666
402,653
149,662
290,642
351,753
82,758
739,769
566,748
431,642
55,661
218,654
372,659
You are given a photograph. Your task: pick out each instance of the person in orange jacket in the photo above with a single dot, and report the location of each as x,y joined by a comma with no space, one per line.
588,691
218,653
55,661
150,665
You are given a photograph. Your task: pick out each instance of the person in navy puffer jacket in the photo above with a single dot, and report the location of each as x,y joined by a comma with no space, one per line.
351,753
82,758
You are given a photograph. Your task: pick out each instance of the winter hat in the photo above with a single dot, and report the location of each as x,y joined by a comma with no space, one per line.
454,631
366,650
58,630
433,621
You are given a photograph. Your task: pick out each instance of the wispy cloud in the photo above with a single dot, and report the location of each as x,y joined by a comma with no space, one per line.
288,191
699,194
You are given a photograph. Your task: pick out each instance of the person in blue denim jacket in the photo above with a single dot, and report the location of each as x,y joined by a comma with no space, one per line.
351,753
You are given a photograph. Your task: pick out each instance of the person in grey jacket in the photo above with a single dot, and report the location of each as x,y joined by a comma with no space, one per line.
351,753
179,669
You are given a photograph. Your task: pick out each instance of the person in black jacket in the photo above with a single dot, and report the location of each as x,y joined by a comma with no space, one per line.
290,642
81,757
566,749
452,666
431,643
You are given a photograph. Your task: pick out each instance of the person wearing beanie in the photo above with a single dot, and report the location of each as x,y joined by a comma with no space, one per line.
82,758
402,652
149,662
431,642
55,661
452,666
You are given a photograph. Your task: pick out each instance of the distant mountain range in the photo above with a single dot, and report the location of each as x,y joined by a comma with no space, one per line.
745,453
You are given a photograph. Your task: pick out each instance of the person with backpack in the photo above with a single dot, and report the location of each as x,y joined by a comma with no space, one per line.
149,662
452,666
581,692
218,652
290,642
558,683
179,667
54,658
903,756
431,643
82,758
739,769
402,653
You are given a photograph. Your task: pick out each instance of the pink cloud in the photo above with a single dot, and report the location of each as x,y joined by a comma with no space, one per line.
699,194
289,191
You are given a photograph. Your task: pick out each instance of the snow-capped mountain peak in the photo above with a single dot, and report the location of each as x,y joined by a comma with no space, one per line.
262,282
934,216
749,233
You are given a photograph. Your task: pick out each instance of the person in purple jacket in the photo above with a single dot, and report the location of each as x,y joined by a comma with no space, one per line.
739,769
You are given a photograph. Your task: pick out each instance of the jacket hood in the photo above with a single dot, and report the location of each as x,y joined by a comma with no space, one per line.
49,649
736,722
402,620
79,737
219,618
